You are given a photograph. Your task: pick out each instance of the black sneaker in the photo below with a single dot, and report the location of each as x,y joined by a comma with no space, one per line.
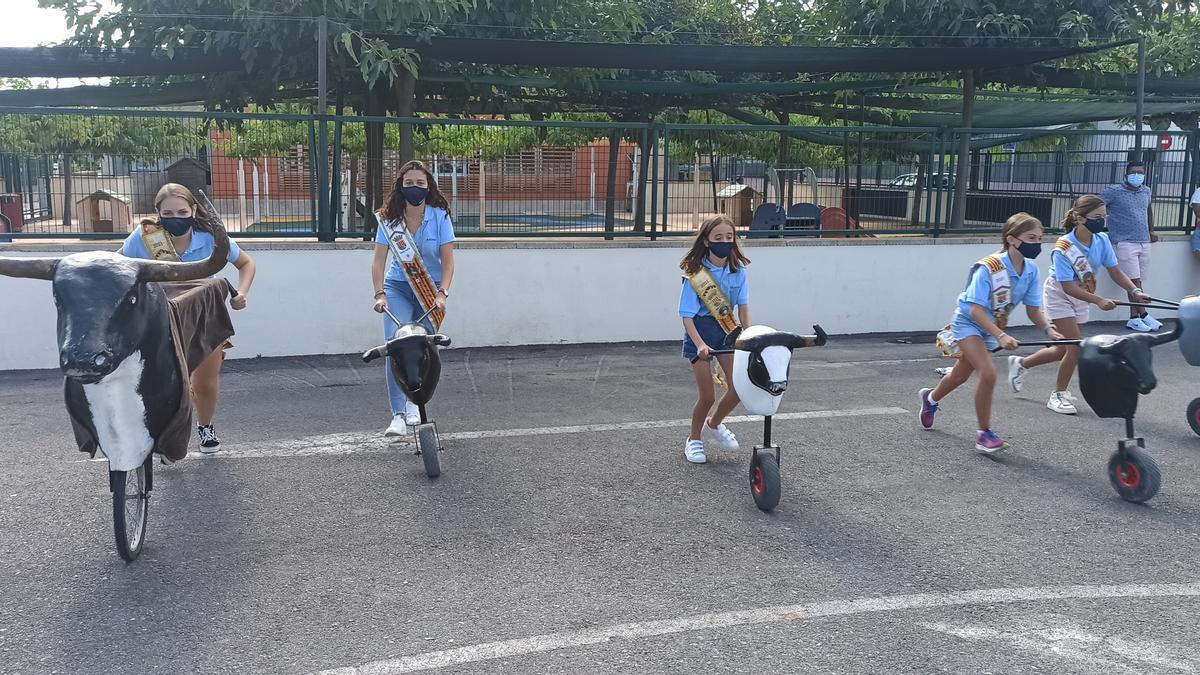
209,443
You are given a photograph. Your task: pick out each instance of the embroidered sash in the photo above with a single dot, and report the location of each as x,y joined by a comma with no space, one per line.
1079,262
405,251
158,242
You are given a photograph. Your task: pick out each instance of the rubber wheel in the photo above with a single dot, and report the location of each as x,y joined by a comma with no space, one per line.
764,481
131,510
427,445
1194,415
1136,476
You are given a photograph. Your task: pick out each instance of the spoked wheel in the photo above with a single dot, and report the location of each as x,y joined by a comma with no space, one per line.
764,481
131,510
1193,414
1135,475
428,446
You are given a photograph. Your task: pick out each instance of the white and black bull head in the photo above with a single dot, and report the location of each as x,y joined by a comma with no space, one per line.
762,358
414,360
123,377
1114,371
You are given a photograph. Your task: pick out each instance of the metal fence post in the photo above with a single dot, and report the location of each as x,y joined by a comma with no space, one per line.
653,183
666,180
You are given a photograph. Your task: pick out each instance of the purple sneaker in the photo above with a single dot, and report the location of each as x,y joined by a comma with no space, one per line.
928,408
988,442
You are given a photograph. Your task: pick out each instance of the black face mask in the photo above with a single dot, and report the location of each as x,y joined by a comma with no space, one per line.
1030,251
177,226
1095,225
415,194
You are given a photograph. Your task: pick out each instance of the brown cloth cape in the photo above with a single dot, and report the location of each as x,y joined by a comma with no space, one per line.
200,325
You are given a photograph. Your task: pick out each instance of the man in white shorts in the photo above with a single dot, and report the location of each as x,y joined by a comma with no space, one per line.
1196,229
1131,230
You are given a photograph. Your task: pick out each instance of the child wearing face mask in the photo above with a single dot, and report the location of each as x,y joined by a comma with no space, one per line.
714,283
995,286
1069,292
191,240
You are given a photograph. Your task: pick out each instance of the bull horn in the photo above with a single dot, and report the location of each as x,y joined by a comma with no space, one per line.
28,268
157,270
1164,338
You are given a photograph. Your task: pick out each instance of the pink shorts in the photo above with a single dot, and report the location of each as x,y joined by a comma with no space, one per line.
1058,305
1133,258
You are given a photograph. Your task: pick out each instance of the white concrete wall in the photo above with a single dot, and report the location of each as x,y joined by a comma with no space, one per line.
311,300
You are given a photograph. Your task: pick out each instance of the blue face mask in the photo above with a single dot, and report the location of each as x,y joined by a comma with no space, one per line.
720,249
1095,225
177,226
415,194
1135,179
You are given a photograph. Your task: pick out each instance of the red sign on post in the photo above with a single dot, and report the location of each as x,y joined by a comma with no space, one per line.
1164,142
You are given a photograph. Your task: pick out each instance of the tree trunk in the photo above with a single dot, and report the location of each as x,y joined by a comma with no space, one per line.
610,196
639,216
959,215
374,133
352,194
405,106
922,161
68,191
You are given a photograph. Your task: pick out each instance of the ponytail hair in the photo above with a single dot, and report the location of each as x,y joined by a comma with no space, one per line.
1083,206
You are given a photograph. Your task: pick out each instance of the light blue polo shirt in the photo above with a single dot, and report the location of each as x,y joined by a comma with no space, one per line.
436,230
733,284
1127,217
1099,255
200,248
1025,288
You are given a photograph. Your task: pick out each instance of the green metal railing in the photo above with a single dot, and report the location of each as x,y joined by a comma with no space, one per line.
92,173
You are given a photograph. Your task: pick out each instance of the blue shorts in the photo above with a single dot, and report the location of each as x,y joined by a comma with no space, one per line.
710,331
963,326
1196,240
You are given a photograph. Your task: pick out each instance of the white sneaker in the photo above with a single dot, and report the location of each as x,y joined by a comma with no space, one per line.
1060,404
1016,373
397,427
721,435
1068,395
1138,325
412,414
943,371
1152,322
694,452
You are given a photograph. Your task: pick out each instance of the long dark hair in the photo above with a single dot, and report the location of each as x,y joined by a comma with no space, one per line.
694,259
393,206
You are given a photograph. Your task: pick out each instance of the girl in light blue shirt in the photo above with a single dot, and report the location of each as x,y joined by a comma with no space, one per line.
975,324
715,249
1069,294
415,203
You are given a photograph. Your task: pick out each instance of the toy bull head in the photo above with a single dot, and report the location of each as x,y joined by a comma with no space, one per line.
105,306
415,362
762,358
1114,370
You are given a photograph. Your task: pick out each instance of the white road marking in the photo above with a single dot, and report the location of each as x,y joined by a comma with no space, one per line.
779,614
355,443
1077,644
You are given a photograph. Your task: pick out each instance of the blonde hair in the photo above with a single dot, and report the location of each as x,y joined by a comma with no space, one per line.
168,190
1017,225
1083,206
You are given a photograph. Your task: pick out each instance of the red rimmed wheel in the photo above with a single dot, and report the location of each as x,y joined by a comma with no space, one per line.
764,481
1134,474
1193,415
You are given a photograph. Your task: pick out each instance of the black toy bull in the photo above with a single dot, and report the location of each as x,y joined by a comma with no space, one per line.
1113,372
413,357
123,378
126,375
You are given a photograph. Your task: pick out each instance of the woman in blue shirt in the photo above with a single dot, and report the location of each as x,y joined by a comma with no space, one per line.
191,233
977,329
1070,291
715,250
414,203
